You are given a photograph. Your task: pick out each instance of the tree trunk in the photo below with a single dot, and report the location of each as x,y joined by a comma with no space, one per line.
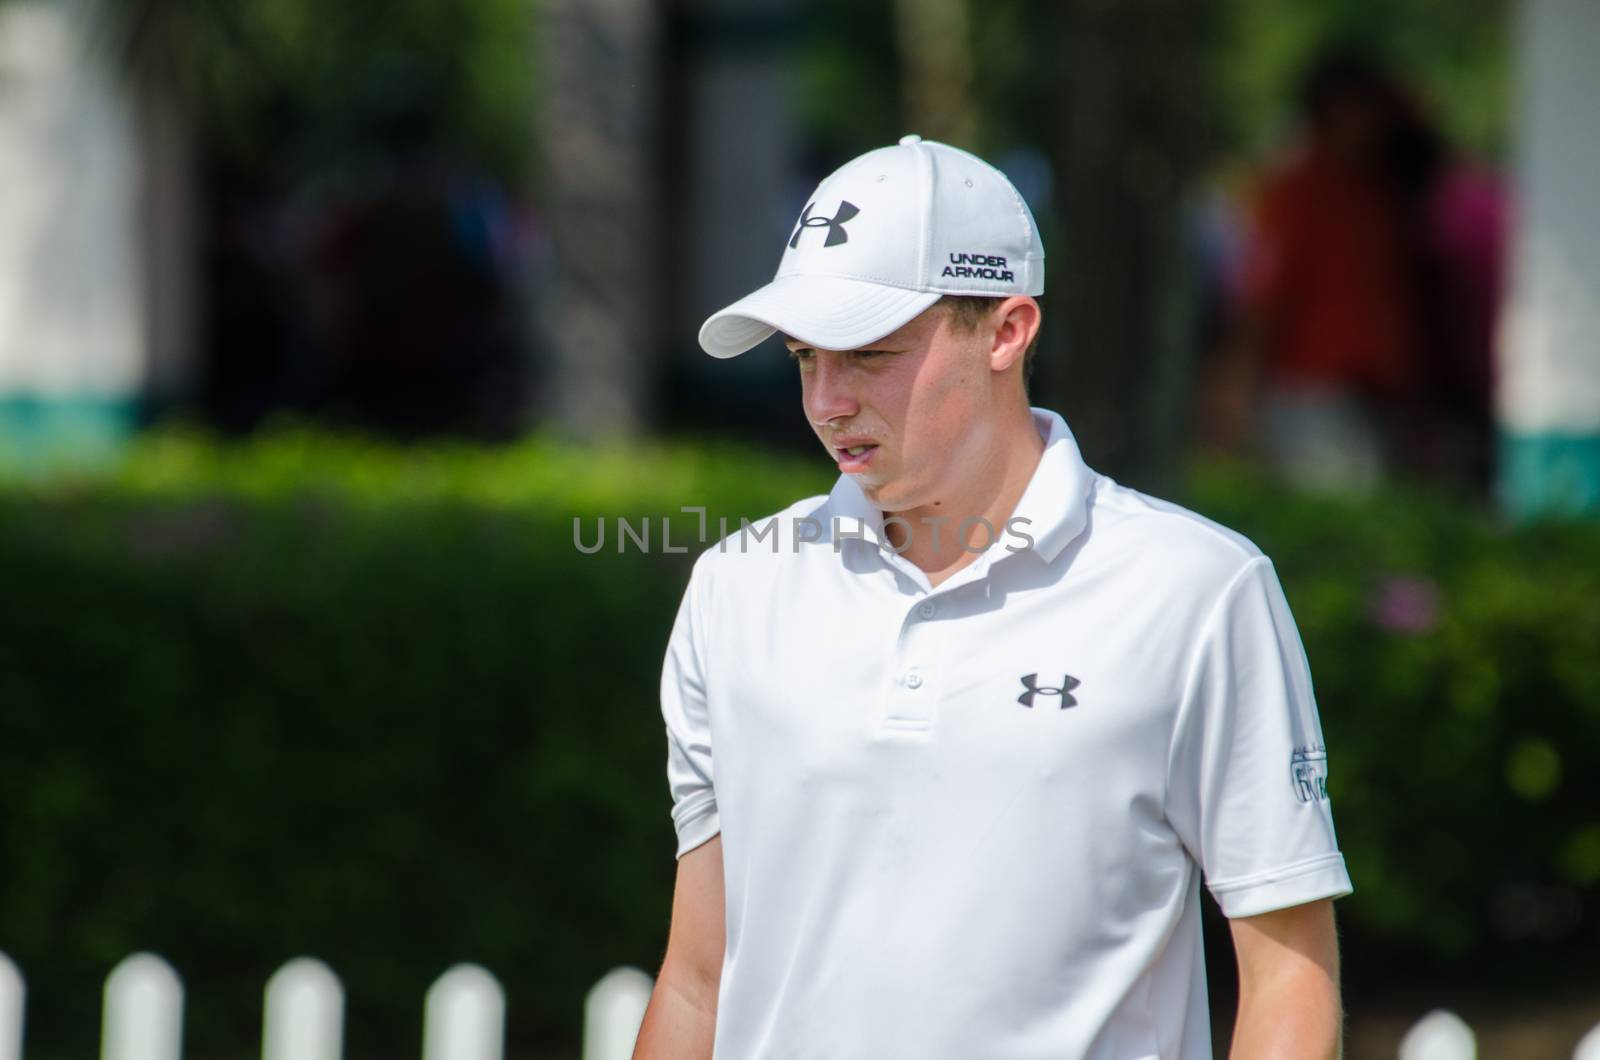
937,70
602,92
1129,107
170,197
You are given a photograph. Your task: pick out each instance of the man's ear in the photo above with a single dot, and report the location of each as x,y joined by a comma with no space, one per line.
1016,321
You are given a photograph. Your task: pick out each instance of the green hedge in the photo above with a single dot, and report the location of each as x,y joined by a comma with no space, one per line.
317,695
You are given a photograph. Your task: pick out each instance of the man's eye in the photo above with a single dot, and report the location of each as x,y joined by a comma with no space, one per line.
806,355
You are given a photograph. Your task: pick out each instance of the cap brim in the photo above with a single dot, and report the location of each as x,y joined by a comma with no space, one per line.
828,312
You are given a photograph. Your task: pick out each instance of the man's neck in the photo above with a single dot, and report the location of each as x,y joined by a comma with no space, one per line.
935,543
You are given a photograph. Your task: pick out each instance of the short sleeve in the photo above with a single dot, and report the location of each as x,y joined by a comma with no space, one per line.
688,723
1247,790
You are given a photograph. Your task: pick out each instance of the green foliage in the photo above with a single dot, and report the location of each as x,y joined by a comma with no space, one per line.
321,695
1456,53
286,82
849,79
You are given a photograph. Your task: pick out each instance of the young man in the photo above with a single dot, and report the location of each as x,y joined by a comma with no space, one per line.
952,747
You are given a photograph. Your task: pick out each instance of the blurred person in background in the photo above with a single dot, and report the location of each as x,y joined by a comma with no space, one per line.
1330,304
375,279
1368,287
411,264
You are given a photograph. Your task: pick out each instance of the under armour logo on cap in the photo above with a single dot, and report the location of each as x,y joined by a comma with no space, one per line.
1031,683
834,224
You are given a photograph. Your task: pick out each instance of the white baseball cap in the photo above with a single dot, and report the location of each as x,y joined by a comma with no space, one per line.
882,238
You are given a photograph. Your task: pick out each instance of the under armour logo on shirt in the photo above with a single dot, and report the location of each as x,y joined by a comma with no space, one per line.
834,224
1031,683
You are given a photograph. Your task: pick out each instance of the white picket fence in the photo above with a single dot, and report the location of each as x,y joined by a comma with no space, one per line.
464,1013
1442,1035
464,1016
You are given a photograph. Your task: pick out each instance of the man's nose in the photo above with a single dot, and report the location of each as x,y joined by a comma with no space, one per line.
830,389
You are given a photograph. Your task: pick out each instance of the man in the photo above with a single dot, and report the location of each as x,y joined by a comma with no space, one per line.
951,747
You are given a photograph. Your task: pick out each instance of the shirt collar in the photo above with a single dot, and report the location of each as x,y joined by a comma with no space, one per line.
1054,507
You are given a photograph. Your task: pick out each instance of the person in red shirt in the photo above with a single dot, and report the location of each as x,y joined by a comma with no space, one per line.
1330,288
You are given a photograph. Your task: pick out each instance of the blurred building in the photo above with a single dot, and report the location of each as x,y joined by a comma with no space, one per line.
74,350
1548,398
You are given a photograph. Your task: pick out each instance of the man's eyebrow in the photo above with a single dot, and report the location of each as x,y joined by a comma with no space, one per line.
873,347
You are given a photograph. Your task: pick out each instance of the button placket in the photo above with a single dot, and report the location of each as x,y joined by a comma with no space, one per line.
913,694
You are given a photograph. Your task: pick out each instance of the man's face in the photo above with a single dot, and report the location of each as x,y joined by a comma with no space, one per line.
899,414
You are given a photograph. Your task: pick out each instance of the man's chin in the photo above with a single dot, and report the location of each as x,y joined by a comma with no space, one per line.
883,492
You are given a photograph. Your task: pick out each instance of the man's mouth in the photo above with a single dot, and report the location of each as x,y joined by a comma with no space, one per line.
853,458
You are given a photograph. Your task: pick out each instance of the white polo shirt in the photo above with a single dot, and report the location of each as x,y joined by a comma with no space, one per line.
969,822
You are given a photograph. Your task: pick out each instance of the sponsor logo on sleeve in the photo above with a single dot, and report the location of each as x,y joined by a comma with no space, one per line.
1308,771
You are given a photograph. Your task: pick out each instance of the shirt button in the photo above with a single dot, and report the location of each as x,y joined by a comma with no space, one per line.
927,610
913,680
